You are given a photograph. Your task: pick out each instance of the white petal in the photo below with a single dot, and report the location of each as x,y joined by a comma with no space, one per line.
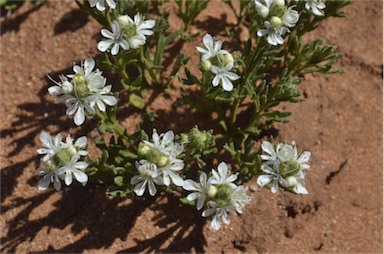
193,196
140,188
80,176
104,45
264,180
44,182
81,142
227,84
115,49
79,116
68,178
152,188
190,185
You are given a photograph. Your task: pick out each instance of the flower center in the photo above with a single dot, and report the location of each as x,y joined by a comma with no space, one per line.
223,195
153,155
289,168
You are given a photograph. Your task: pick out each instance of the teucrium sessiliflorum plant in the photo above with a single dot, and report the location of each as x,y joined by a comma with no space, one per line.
240,84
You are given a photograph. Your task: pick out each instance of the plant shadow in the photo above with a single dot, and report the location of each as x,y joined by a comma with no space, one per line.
103,219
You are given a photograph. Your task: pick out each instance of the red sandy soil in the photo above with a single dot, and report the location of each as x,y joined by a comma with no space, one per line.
340,123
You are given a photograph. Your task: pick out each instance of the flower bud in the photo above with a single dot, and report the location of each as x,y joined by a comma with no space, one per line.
275,21
279,2
264,11
50,165
143,149
206,65
227,59
291,181
123,21
67,87
81,88
211,191
223,195
162,161
71,151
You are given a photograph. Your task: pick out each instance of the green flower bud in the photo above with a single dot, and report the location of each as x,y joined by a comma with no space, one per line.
50,165
275,21
279,2
277,8
199,140
81,88
211,191
143,149
162,161
71,151
61,158
289,168
206,65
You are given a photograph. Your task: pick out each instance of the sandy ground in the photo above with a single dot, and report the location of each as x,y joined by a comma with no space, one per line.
340,122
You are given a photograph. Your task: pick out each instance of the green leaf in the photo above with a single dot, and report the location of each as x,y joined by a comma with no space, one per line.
136,101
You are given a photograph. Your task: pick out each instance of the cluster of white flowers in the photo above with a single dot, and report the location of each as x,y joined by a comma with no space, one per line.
159,165
284,167
126,33
219,194
220,62
278,20
82,91
61,161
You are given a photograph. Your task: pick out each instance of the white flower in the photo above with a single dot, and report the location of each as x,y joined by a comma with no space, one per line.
77,147
273,176
240,198
47,178
79,107
315,6
224,76
290,17
102,97
93,79
100,5
199,189
115,39
212,48
74,167
263,6
287,167
274,35
221,214
87,89
62,89
61,161
168,171
149,176
223,176
220,194
51,146
164,142
136,30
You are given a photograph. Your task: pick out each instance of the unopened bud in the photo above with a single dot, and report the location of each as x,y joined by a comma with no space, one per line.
275,21
206,65
291,181
81,88
227,59
123,21
264,11
71,151
279,2
211,191
143,149
162,161
67,87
